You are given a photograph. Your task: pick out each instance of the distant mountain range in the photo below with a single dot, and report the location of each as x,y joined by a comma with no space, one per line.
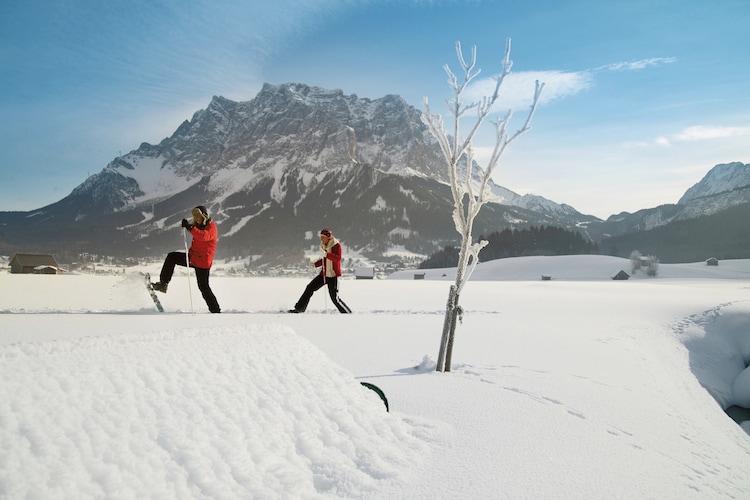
712,219
274,170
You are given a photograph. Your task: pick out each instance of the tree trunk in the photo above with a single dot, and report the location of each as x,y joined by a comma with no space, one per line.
446,331
452,310
452,335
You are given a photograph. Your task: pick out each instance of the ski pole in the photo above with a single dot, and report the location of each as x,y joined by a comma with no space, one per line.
325,286
187,265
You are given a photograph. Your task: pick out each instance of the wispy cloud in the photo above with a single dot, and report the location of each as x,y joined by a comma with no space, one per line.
700,133
518,88
637,65
693,134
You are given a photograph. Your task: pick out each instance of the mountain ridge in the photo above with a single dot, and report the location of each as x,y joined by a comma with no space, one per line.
296,158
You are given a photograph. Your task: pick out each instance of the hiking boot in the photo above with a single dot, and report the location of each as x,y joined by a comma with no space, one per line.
160,286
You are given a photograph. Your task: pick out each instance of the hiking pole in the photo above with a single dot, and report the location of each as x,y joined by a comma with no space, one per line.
187,265
325,287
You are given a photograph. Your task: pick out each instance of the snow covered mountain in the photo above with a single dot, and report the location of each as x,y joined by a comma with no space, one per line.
294,136
723,187
720,179
712,219
274,170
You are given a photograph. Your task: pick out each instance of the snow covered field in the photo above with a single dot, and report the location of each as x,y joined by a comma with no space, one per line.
576,387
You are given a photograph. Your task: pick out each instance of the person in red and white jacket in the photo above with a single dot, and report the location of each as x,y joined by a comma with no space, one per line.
200,255
330,271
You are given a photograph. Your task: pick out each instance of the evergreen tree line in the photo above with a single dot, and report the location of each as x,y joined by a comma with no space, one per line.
544,240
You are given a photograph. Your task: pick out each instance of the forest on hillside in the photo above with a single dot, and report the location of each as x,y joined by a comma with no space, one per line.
543,240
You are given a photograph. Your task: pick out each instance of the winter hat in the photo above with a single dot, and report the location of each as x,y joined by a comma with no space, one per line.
200,210
326,232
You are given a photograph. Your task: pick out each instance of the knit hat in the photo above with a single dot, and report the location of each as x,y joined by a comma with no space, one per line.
200,210
326,232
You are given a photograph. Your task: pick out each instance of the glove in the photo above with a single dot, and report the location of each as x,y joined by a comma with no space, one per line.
186,224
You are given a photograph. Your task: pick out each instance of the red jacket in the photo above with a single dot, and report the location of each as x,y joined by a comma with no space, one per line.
332,261
203,247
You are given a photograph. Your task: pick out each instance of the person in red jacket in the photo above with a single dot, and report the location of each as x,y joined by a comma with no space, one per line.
201,256
330,270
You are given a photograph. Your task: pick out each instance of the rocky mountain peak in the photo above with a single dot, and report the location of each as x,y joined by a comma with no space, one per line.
722,178
280,165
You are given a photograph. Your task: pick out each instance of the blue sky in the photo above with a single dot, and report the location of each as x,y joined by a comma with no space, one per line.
642,97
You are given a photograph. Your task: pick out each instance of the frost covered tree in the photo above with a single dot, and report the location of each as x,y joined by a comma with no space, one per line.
636,261
469,194
650,263
652,269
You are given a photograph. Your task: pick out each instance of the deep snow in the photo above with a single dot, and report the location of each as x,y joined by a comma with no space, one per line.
577,387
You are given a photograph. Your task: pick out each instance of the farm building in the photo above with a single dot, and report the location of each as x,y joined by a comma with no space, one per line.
34,263
364,273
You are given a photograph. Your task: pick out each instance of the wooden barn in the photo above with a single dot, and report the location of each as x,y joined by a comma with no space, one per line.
364,273
34,263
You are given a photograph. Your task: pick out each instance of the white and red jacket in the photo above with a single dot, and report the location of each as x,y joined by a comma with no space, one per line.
330,264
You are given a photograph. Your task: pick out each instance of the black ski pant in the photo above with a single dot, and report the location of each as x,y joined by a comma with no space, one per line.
315,285
179,259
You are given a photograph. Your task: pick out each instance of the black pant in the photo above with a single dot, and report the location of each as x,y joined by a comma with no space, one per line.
315,285
178,259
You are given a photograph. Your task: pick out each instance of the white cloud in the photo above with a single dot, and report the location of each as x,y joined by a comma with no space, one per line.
693,134
517,90
637,65
701,133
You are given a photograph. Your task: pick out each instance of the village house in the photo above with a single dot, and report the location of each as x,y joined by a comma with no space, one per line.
364,273
34,263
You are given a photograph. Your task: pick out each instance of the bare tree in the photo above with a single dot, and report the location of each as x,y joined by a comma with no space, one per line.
469,195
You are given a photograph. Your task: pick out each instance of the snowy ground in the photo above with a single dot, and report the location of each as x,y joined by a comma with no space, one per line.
576,387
